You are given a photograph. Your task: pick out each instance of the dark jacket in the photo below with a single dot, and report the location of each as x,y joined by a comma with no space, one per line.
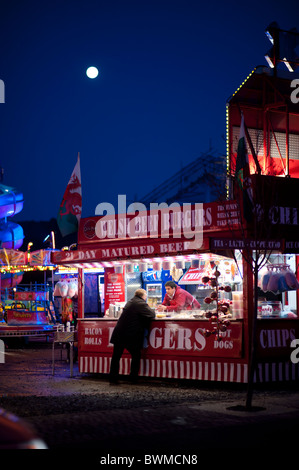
131,325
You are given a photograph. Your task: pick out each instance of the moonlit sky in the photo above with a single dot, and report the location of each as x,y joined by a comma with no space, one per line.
166,70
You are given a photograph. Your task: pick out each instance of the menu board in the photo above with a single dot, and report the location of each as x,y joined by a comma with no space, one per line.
114,287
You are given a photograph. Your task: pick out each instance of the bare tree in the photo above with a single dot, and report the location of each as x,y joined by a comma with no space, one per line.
259,243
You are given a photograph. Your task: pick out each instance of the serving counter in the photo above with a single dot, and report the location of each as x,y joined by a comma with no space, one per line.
179,349
172,349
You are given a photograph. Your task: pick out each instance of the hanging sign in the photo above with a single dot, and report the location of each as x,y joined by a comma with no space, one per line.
192,276
240,244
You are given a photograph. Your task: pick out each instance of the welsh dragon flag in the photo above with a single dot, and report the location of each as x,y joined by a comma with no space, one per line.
242,174
71,205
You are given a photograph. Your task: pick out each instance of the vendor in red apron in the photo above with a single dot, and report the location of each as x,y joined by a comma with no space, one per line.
177,299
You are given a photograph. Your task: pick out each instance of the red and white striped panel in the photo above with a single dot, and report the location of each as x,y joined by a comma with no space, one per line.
195,370
169,368
277,372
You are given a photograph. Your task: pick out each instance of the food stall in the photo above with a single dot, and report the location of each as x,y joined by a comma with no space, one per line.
211,343
218,250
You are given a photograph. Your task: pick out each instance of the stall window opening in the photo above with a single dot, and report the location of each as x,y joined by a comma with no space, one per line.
278,287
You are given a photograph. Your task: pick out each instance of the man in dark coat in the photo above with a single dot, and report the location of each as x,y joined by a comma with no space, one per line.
129,334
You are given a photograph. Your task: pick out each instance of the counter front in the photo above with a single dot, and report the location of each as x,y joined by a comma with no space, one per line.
179,349
172,349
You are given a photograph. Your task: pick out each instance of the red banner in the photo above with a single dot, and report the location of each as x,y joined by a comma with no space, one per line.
165,338
163,234
179,224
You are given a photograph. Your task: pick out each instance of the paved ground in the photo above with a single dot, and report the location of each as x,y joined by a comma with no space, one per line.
84,414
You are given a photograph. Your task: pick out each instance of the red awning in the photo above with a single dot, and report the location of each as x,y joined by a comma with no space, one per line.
192,276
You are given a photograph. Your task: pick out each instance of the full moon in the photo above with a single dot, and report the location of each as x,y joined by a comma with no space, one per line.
92,72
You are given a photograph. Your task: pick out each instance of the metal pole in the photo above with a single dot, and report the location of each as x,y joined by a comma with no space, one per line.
71,358
287,143
80,293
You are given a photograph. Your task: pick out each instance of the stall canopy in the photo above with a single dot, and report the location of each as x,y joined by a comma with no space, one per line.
105,240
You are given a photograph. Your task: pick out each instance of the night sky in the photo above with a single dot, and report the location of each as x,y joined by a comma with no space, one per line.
166,68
